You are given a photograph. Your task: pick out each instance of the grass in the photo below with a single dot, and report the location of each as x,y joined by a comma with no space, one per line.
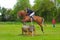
11,31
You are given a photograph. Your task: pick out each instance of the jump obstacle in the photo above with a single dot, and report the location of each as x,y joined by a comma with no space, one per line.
28,29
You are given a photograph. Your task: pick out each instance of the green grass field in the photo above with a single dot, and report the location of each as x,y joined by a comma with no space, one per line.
11,31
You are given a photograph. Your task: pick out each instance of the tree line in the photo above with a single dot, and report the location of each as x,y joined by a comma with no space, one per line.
48,9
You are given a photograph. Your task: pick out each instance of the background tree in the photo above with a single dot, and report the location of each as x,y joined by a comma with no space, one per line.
0,14
45,8
57,4
3,13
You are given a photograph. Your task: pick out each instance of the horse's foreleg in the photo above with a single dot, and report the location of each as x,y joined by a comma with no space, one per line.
24,23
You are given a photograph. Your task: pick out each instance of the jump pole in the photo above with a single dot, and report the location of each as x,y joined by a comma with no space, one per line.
32,25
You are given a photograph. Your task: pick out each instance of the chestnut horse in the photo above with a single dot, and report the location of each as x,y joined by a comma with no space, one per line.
26,18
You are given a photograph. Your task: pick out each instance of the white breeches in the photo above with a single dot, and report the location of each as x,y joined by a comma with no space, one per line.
32,14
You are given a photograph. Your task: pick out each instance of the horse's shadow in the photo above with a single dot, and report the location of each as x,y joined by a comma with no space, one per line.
29,35
22,35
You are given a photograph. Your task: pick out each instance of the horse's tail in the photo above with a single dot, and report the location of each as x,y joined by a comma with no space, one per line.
43,21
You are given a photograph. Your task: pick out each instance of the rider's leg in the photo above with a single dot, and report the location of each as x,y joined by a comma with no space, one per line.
32,14
32,18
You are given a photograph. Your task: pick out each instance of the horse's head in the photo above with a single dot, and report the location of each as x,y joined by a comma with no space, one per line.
22,13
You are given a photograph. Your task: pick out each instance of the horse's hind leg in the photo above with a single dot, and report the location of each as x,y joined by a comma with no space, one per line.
41,28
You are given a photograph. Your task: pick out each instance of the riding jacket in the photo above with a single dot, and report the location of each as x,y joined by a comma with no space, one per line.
29,11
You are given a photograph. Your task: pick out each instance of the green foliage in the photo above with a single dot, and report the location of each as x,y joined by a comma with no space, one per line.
0,9
45,8
3,13
21,5
58,15
7,14
58,1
